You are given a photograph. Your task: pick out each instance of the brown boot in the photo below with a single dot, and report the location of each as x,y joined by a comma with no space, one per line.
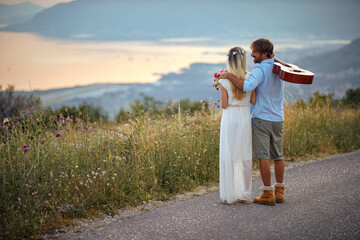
279,192
267,197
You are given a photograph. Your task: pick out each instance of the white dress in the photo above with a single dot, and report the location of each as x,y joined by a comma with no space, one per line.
235,148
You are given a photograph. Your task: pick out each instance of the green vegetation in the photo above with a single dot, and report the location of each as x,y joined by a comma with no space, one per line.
55,167
11,105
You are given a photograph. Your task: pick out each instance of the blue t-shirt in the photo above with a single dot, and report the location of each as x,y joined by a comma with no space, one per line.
269,92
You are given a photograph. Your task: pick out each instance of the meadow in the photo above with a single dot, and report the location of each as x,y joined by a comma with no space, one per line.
54,168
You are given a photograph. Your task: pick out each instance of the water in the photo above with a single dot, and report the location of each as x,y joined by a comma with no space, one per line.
30,62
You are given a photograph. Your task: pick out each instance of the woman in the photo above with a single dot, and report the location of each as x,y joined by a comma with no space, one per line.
235,134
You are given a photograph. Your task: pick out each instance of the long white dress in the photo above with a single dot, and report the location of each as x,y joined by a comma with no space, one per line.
235,148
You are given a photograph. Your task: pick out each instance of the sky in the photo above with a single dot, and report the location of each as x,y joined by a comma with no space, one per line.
31,62
44,3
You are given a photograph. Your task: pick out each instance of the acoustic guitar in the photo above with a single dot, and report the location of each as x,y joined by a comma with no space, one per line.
292,73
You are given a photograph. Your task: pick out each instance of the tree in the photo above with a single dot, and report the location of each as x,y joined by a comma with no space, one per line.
11,105
352,97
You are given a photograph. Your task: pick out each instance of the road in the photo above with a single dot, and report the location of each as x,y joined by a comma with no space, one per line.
321,202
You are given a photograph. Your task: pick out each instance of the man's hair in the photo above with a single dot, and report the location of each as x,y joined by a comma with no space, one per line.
263,46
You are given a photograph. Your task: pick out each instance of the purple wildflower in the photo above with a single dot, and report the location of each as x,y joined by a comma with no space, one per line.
25,148
58,134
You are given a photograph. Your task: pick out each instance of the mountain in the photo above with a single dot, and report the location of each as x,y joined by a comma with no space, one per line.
18,13
110,20
335,71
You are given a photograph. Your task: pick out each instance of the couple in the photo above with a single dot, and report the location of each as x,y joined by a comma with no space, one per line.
239,133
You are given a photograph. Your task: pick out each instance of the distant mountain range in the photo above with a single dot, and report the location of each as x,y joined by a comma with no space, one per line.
110,20
18,13
335,72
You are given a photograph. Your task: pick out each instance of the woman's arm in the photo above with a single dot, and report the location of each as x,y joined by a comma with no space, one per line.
253,97
224,97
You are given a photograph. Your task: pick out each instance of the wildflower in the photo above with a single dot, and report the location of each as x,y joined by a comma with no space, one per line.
202,101
42,141
58,134
6,121
26,149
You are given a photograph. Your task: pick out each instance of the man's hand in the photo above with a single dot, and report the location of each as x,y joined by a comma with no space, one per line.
224,75
232,78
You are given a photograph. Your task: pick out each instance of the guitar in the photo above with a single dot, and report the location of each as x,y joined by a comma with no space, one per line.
292,73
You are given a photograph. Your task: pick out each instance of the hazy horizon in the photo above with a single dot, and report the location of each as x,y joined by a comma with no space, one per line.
44,3
30,62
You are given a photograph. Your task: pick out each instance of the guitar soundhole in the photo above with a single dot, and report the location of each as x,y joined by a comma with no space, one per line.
296,70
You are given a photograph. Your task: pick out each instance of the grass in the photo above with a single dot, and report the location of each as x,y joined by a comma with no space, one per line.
72,169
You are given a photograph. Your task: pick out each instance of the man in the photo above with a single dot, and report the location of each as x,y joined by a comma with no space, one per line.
267,118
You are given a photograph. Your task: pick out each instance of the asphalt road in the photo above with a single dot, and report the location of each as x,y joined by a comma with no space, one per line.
321,202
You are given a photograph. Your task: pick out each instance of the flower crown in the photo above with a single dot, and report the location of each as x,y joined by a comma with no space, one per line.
234,52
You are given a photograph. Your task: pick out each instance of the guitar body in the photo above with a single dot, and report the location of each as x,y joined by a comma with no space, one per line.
292,73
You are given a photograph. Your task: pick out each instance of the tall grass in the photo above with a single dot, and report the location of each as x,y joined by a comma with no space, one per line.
70,168
49,172
320,128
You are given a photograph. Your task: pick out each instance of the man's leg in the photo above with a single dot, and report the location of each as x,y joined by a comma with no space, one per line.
276,153
279,170
265,171
261,141
267,197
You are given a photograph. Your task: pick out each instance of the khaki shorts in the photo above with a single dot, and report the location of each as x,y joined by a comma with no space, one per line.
267,139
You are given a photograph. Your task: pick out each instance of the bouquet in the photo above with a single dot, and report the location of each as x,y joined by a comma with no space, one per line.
216,83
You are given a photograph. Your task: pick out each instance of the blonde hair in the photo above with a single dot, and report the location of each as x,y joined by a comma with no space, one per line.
237,66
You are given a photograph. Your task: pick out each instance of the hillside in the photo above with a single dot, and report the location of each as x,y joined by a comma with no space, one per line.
156,19
335,71
18,13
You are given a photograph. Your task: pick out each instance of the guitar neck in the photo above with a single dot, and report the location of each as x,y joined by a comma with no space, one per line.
281,62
